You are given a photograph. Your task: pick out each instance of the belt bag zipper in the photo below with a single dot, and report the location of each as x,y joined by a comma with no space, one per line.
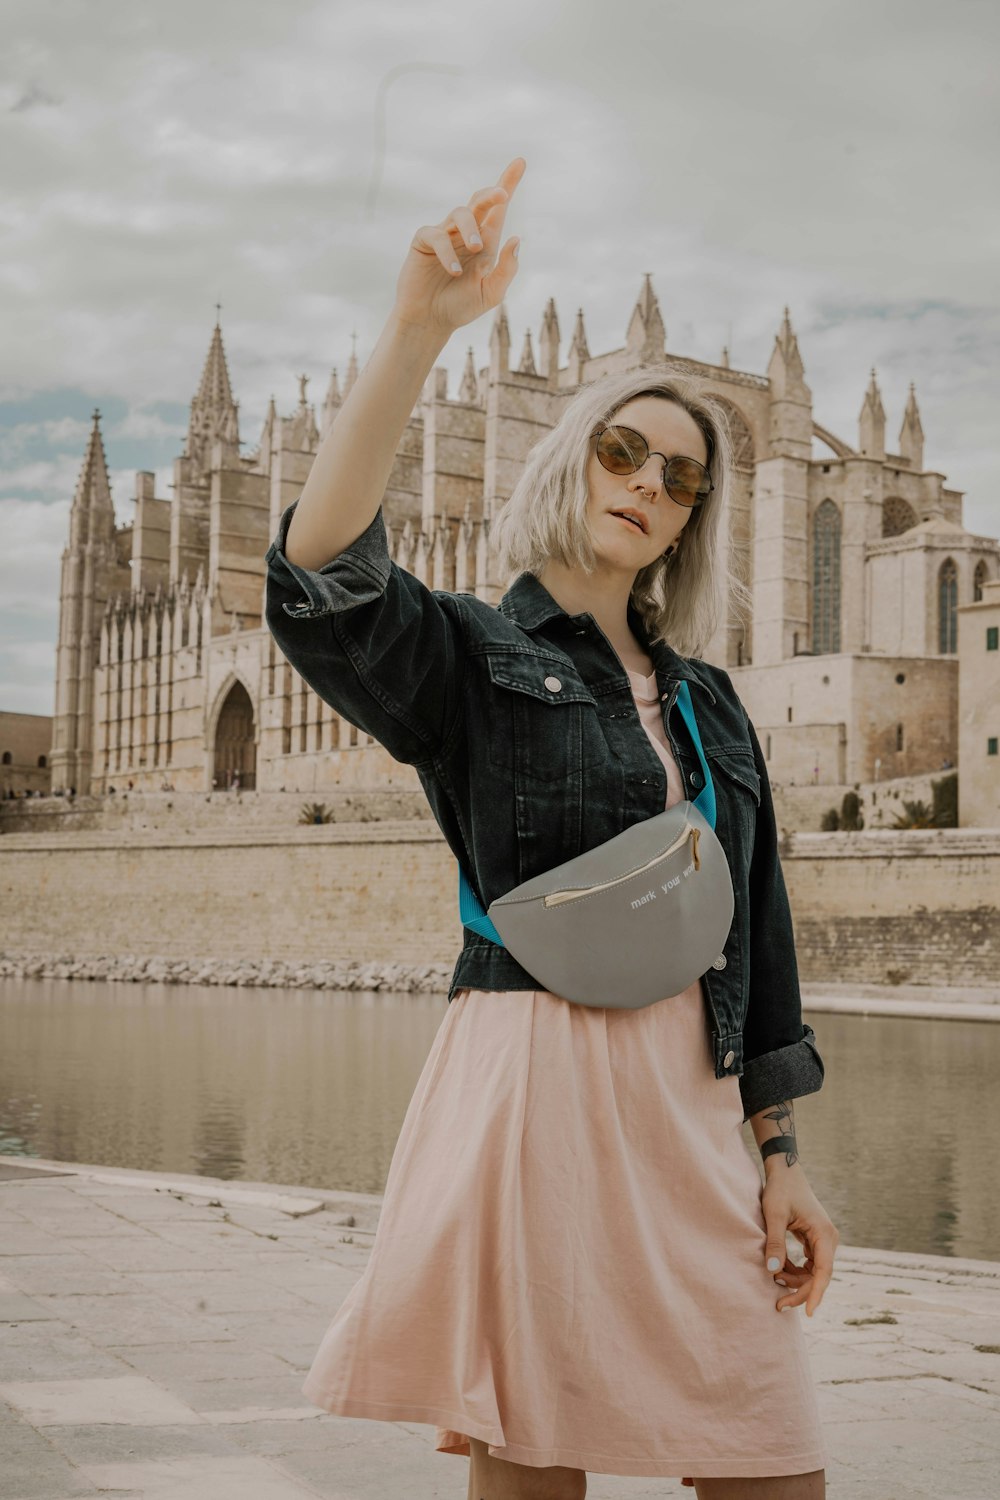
690,831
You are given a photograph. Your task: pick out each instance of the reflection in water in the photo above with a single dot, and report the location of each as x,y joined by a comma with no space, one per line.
311,1086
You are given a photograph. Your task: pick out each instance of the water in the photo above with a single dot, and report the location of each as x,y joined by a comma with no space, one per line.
310,1087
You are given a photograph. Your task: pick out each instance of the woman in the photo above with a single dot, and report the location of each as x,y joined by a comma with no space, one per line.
575,1262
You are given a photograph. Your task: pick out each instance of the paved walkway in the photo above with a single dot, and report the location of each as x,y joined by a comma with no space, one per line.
155,1330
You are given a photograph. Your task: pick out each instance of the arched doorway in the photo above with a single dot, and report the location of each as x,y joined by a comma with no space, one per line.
235,755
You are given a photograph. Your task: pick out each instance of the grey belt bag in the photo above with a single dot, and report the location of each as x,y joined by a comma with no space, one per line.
634,920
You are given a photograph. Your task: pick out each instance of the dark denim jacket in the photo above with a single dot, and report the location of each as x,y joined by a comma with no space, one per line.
520,723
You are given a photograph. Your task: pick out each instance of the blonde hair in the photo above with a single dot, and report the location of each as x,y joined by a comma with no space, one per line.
681,598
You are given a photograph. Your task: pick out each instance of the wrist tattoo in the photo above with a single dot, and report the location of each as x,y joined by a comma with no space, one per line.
785,1142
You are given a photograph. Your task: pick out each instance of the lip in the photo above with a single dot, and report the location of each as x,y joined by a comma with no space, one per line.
631,510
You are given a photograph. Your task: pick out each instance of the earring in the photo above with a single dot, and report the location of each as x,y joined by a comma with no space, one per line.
671,549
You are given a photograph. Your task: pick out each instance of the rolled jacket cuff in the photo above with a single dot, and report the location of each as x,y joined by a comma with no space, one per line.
786,1073
355,576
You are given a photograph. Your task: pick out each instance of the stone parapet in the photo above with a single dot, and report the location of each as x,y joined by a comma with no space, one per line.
875,907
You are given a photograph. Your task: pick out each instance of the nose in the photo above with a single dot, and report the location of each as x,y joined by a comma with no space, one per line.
649,476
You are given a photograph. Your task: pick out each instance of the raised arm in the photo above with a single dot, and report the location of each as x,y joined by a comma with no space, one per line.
366,635
448,279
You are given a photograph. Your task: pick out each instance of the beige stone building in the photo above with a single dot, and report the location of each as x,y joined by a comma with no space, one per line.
858,561
979,709
25,741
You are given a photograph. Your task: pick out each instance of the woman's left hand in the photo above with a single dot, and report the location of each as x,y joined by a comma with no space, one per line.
789,1203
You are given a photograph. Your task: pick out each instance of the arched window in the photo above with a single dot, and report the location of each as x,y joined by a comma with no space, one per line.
42,762
826,579
897,516
739,434
979,577
947,606
7,758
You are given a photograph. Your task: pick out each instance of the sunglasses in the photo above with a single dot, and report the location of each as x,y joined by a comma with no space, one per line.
622,450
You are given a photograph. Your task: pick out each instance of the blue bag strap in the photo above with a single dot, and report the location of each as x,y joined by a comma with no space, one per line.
705,800
471,909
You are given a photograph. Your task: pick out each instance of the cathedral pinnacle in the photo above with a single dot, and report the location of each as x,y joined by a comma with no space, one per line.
352,366
331,404
500,342
646,337
468,391
578,343
213,411
548,343
871,425
92,515
911,434
786,371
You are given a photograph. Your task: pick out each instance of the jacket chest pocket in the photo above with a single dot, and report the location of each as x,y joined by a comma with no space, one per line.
737,797
543,720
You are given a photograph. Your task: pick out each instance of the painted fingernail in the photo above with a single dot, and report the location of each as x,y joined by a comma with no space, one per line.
778,1281
774,1264
455,266
474,239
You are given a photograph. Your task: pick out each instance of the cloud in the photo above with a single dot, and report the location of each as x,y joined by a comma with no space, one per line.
278,160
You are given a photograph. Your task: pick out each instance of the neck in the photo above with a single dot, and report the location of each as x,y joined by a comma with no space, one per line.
603,594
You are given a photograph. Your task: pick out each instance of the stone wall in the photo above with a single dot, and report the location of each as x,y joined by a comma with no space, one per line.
191,812
878,907
797,806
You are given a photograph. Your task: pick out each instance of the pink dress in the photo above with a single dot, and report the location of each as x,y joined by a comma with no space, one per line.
569,1262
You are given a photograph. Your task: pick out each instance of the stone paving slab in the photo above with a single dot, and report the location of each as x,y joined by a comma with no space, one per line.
163,1356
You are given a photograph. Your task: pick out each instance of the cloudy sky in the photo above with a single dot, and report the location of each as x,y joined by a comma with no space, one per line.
159,156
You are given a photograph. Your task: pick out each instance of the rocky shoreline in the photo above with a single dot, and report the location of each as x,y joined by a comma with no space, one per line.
129,968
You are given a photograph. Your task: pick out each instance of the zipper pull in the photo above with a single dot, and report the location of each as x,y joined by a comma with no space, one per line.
695,836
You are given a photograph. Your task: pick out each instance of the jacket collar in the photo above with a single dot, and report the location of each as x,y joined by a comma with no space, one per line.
529,605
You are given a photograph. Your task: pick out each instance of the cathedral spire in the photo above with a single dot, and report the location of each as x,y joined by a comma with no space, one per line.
791,398
352,367
500,343
213,410
267,432
871,424
579,353
548,343
786,371
92,516
911,434
527,365
300,430
646,337
331,404
468,391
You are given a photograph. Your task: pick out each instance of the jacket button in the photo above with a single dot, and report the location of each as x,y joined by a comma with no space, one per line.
696,778
729,1059
720,962
553,684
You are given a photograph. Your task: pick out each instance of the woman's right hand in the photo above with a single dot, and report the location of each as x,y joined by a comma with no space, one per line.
431,295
